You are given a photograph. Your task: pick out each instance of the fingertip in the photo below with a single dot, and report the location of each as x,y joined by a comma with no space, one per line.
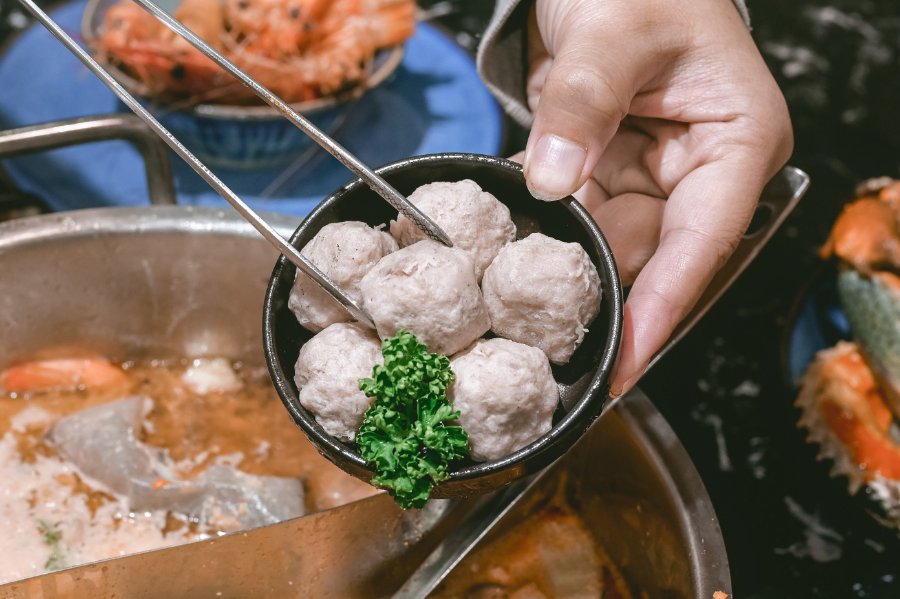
616,390
553,167
637,349
620,388
624,379
624,369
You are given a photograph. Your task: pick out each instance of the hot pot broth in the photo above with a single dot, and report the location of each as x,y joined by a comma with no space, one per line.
549,554
64,517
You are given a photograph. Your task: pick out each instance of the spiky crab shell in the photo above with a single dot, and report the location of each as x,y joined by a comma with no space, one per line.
841,415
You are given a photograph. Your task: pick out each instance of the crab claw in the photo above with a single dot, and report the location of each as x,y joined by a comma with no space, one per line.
846,416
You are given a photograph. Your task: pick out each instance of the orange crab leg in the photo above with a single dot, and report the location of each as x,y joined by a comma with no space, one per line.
854,409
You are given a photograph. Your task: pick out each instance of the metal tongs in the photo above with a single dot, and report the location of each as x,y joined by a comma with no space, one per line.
378,184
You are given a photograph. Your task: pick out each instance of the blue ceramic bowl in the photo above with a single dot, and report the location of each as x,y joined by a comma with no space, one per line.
244,137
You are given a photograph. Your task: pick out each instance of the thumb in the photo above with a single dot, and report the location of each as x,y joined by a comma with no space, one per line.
586,94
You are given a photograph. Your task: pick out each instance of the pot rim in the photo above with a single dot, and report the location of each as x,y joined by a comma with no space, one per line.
134,219
677,473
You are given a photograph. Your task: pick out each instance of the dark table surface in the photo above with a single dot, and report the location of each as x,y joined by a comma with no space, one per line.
791,531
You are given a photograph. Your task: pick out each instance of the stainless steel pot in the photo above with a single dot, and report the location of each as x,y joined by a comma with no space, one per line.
140,282
133,283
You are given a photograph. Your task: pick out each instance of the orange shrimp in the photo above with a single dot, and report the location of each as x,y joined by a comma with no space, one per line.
275,28
344,45
126,21
61,374
339,51
176,72
160,60
206,18
299,49
384,23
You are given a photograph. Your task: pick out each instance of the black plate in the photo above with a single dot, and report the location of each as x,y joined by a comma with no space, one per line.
584,385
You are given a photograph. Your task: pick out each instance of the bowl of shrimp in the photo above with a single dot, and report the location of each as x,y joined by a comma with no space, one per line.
318,56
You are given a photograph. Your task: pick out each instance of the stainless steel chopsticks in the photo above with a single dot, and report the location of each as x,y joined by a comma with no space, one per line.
378,184
281,244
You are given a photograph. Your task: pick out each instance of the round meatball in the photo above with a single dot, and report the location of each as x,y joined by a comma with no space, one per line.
429,290
542,292
505,394
344,252
475,220
327,376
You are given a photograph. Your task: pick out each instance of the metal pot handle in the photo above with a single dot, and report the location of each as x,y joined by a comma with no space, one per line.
777,201
17,204
57,134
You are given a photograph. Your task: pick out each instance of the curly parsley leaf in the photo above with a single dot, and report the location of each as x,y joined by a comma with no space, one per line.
407,433
52,538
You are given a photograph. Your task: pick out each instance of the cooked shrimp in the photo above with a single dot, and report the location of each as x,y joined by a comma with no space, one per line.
206,18
73,373
299,49
126,21
382,23
275,28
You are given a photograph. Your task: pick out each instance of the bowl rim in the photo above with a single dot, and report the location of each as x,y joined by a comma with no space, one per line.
391,58
581,415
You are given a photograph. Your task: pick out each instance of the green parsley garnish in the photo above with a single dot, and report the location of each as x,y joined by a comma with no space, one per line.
406,433
52,539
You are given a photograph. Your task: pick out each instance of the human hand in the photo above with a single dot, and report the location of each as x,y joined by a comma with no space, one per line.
663,120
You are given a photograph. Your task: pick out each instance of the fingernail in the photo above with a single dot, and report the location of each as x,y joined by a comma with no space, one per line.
630,383
553,167
617,391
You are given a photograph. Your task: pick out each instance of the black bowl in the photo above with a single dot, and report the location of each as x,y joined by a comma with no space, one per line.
583,382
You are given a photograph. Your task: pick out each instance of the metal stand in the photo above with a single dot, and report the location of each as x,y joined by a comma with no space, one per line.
58,134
